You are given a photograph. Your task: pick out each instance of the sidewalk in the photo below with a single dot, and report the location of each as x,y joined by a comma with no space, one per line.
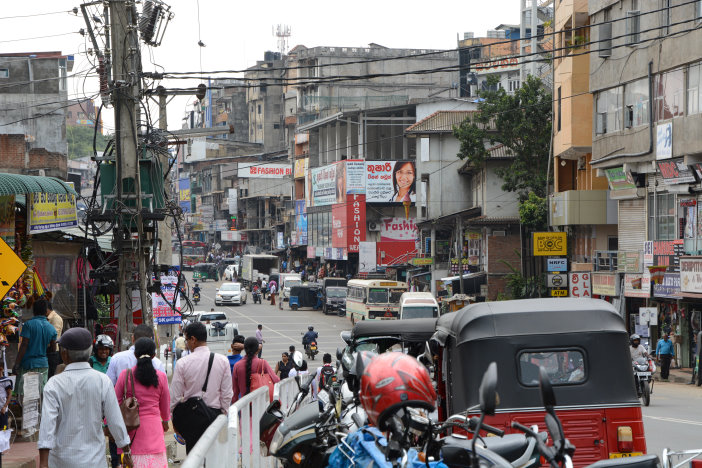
680,375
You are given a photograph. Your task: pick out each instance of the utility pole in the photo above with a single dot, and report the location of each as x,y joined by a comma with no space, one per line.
165,254
133,251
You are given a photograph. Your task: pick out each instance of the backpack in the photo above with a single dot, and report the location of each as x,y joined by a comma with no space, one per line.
327,376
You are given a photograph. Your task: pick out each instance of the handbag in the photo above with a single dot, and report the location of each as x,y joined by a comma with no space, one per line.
130,406
262,380
193,414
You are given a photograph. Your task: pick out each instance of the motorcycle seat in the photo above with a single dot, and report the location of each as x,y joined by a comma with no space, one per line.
643,461
455,451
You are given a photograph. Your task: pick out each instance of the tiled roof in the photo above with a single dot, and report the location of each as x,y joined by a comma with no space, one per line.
439,122
500,151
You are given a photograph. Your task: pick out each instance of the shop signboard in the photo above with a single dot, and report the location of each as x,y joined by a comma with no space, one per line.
355,176
51,212
220,225
233,236
422,261
669,288
398,229
366,257
665,253
311,251
550,243
579,284
281,240
619,179
301,166
629,261
689,221
390,181
557,280
473,241
559,265
323,185
675,171
7,220
637,285
161,305
334,253
664,140
559,292
264,171
605,284
691,275
349,223
300,223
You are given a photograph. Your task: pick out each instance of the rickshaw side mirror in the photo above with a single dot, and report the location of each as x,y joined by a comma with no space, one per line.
346,336
488,390
339,353
548,398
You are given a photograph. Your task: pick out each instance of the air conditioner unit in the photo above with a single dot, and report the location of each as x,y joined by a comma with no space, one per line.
373,226
499,233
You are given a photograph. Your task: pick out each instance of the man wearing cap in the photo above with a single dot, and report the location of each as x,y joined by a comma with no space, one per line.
75,402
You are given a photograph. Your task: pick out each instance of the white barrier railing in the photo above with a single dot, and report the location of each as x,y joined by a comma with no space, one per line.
237,436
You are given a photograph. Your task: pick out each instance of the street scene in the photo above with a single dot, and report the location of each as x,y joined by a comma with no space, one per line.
443,236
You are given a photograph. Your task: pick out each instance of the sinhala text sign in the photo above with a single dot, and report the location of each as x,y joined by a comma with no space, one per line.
579,284
51,212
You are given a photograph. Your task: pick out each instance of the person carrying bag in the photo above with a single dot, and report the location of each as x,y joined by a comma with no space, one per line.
252,372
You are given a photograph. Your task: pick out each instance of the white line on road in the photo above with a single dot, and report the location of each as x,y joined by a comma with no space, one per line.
675,420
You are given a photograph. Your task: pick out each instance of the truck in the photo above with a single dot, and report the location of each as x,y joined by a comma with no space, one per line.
253,266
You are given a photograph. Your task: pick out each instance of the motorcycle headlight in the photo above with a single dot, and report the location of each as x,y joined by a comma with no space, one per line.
276,442
642,368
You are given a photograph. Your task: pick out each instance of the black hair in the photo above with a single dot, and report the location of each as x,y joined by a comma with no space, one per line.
251,348
292,350
145,373
260,326
196,330
143,331
239,339
326,359
396,169
180,334
40,307
303,367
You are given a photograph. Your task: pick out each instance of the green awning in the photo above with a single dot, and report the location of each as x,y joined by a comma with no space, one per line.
17,184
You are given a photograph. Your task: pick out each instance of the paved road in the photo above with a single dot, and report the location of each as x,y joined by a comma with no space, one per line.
674,418
281,328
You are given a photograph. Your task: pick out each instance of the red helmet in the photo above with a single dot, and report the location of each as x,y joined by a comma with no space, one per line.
392,381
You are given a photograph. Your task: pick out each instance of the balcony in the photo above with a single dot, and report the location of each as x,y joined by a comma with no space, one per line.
582,207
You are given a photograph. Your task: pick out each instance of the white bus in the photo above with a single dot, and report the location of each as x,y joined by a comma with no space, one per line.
374,299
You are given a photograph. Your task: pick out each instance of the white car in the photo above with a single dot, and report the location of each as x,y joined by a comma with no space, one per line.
230,293
230,272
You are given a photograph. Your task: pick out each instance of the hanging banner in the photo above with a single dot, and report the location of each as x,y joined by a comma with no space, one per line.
366,257
51,212
300,233
390,181
163,313
7,219
184,194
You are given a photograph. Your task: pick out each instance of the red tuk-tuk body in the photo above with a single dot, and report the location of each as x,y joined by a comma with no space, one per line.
582,343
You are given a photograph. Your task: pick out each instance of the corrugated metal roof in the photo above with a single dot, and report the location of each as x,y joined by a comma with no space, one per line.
500,151
489,220
439,122
17,184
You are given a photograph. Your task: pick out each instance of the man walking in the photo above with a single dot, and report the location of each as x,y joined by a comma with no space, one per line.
75,402
57,322
127,359
199,374
179,345
38,337
259,337
665,351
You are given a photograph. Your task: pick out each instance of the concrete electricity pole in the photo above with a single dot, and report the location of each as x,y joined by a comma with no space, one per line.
134,252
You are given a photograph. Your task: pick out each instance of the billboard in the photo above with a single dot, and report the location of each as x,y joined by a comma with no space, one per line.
184,194
163,313
398,229
355,177
349,223
390,181
301,166
51,212
264,171
300,233
322,186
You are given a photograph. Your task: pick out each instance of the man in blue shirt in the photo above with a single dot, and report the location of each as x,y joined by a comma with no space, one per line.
664,354
38,337
237,348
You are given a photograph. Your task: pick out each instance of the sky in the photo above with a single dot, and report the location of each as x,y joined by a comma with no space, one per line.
237,34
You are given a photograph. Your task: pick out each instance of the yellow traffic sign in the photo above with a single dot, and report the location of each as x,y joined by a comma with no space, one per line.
11,268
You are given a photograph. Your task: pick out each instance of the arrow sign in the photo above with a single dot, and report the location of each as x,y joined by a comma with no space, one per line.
11,268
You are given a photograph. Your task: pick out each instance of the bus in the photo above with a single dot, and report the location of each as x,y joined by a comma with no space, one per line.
374,299
193,252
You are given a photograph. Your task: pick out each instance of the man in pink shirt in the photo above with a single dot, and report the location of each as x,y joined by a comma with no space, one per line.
189,379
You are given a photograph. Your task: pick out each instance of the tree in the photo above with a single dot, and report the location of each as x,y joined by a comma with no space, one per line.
80,141
522,123
533,213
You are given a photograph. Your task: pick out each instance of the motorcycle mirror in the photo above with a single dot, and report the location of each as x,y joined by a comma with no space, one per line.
346,336
339,353
554,428
548,398
488,390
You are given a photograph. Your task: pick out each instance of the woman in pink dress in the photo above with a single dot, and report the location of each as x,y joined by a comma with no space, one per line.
151,389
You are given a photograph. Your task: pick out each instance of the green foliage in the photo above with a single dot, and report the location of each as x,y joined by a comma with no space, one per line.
520,286
533,213
80,141
522,124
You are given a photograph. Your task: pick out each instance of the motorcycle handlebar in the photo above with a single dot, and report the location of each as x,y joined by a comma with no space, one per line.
473,423
543,448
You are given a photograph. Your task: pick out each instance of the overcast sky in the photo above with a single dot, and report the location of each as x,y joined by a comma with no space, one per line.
236,34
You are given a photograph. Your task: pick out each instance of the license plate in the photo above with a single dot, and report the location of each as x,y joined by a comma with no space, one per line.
643,374
625,455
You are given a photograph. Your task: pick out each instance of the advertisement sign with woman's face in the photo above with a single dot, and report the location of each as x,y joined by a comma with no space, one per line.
391,181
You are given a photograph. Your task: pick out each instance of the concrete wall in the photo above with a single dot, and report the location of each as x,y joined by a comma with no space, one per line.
497,203
447,191
501,249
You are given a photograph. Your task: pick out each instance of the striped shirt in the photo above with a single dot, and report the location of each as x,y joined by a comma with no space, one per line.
75,402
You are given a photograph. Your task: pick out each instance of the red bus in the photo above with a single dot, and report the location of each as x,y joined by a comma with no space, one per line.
193,252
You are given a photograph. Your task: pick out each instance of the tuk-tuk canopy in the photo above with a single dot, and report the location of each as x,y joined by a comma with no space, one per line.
407,330
204,266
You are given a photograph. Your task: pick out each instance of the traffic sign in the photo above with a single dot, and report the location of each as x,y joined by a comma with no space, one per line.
559,292
11,269
557,280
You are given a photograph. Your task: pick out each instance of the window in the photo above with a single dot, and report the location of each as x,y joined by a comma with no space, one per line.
377,296
609,111
694,82
513,85
633,25
698,9
62,75
665,17
636,102
564,367
669,89
559,109
259,108
661,216
4,72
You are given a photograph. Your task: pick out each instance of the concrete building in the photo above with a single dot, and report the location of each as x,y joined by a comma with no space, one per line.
265,102
33,99
645,80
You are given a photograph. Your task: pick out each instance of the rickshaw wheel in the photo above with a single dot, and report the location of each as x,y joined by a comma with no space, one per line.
341,314
293,307
646,394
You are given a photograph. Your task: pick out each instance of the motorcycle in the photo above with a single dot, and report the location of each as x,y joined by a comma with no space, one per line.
196,297
311,349
257,296
643,371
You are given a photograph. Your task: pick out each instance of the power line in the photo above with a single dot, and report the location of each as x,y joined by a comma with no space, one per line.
74,11
38,37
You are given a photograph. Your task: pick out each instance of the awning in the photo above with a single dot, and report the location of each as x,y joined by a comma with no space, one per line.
17,184
465,276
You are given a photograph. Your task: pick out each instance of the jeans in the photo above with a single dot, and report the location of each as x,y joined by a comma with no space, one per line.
665,365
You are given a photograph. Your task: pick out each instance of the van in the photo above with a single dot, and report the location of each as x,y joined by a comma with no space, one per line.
418,305
287,280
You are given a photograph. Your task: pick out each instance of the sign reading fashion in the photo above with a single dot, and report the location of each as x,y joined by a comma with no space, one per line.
390,181
691,275
264,171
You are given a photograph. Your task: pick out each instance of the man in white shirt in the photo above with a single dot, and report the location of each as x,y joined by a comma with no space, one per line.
127,359
75,403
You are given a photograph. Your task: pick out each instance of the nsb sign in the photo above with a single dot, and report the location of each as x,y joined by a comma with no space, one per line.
550,243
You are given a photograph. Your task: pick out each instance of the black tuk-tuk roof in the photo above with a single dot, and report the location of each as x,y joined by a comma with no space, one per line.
408,330
530,317
205,265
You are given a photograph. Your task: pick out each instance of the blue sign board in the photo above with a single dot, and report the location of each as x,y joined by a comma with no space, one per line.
557,264
670,287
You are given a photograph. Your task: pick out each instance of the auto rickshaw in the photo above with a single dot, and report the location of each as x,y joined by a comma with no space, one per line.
380,336
205,271
583,344
306,295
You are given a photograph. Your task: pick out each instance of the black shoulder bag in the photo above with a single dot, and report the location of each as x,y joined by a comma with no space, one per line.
192,415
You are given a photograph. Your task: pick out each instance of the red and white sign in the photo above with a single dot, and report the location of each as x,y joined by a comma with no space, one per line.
349,223
234,236
398,229
579,285
265,171
499,65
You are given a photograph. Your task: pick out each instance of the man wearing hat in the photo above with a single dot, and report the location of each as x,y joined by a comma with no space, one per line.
75,402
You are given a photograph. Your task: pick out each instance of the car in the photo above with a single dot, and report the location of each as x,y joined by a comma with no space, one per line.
230,293
230,273
212,317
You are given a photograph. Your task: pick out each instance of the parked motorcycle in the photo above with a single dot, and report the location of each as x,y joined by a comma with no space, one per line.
643,371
